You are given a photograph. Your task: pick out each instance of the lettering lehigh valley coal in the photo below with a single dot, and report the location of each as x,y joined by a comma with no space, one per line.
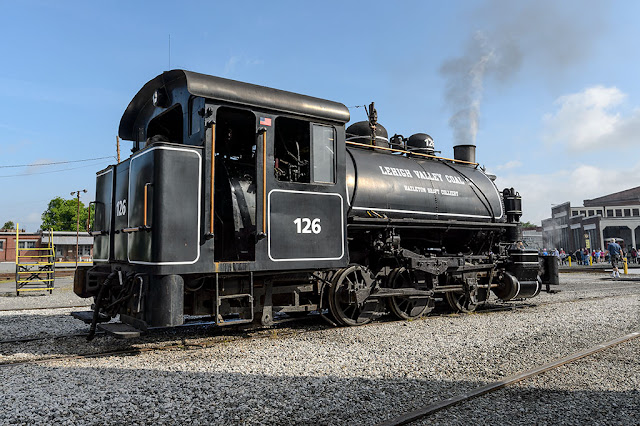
423,175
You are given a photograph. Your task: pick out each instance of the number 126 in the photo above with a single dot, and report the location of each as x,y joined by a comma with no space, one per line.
304,225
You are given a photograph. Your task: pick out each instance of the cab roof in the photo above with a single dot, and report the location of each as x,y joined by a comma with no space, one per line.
231,91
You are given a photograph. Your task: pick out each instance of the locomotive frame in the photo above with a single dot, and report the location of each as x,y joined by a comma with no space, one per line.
240,202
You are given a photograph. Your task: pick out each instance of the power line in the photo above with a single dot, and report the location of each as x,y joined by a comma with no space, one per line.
51,171
57,162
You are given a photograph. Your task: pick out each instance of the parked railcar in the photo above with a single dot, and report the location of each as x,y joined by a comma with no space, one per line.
241,202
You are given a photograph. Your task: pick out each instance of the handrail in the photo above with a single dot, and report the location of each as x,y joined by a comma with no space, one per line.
213,176
146,186
135,229
264,180
89,230
410,153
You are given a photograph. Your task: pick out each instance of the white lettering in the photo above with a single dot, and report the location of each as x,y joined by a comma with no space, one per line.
121,208
428,176
393,171
454,179
304,225
415,188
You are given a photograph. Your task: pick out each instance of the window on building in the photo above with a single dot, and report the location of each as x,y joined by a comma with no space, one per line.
618,212
575,213
26,244
591,212
636,212
583,212
85,250
627,212
599,212
609,213
2,245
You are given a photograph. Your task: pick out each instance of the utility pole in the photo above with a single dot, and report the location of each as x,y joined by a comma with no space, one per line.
78,222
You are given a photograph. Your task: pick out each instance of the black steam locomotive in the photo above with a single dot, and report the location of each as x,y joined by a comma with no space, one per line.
241,202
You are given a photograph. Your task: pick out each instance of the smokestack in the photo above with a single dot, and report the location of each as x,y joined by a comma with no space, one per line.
465,153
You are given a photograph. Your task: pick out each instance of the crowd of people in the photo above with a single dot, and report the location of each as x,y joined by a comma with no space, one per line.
584,256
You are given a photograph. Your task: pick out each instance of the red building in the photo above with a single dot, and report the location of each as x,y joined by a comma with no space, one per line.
64,243
8,243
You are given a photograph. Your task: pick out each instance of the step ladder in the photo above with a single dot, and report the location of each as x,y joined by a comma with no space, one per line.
35,266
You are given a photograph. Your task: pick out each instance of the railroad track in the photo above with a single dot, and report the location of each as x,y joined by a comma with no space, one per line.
241,334
40,308
427,410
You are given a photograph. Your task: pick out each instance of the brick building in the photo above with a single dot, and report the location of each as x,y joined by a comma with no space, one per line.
615,215
8,243
64,243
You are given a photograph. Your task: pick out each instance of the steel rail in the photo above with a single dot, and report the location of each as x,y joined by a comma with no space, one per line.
40,308
491,387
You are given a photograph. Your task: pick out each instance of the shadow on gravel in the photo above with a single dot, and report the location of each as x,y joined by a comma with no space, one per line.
61,343
51,333
198,392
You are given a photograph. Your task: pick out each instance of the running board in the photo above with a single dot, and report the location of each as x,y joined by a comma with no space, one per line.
120,330
87,317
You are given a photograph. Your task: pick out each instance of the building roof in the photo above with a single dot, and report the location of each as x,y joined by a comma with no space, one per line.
622,198
68,238
22,234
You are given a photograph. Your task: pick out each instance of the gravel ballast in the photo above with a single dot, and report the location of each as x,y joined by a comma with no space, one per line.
364,375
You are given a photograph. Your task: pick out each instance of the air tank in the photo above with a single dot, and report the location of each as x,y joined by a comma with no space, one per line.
413,187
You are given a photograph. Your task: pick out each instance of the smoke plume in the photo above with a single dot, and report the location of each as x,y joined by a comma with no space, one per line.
545,37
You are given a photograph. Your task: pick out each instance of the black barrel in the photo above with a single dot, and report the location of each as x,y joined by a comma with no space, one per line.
550,270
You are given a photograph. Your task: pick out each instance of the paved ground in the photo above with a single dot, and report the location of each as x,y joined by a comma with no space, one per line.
62,295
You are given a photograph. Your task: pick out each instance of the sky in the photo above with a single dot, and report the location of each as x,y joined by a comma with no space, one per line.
548,91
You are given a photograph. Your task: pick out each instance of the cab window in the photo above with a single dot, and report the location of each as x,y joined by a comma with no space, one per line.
323,154
304,152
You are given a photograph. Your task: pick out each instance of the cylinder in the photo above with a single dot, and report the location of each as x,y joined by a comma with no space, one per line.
465,153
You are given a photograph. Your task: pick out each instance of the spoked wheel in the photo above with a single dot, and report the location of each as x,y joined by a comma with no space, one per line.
348,296
459,302
406,307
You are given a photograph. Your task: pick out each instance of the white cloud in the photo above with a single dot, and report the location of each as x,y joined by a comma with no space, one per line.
230,65
514,164
234,62
592,120
540,191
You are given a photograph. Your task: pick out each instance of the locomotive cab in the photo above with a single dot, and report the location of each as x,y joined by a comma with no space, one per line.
224,178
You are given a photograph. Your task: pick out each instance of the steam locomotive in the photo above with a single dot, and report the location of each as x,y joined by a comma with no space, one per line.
240,203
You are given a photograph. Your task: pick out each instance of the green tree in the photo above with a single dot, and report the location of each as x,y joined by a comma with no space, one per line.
61,215
9,226
528,225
